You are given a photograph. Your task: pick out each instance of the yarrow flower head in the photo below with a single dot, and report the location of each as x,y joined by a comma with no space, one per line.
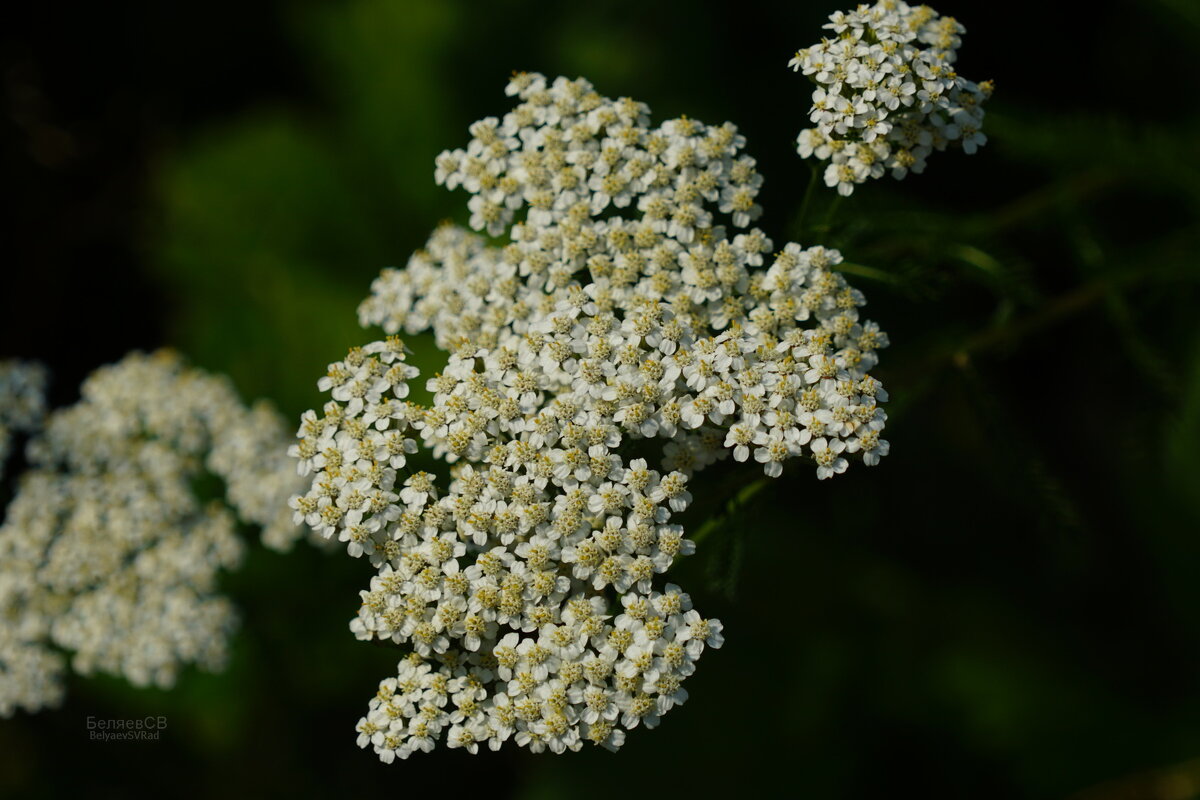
887,94
107,551
620,311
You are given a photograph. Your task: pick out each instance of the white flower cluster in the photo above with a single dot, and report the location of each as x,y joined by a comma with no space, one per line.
887,94
22,402
621,317
106,550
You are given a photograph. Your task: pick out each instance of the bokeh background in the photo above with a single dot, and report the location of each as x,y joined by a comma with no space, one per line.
1008,607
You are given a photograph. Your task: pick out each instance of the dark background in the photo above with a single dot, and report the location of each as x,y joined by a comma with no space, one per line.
1008,607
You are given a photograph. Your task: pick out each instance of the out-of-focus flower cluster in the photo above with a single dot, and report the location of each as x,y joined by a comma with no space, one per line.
22,402
111,547
621,313
887,94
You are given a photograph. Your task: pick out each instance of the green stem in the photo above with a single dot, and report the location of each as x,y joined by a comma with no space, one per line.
829,215
734,504
808,193
874,273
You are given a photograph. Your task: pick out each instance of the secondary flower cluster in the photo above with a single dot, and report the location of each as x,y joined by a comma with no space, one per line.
108,552
620,314
22,402
887,94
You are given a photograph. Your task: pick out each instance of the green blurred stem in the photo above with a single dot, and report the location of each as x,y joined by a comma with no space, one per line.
1063,306
1144,354
827,223
1033,206
732,506
863,271
808,193
983,261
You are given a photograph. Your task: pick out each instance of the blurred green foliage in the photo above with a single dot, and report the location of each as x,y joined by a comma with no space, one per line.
1009,606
